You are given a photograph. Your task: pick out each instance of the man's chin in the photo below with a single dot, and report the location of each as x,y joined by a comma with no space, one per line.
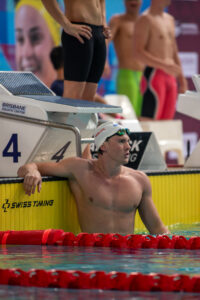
126,160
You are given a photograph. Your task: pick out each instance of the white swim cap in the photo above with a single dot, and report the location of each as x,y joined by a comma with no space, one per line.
106,130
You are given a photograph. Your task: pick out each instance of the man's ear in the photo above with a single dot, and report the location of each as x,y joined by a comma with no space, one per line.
103,147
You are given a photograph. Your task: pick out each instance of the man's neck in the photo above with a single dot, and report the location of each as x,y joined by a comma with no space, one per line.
156,9
132,15
108,168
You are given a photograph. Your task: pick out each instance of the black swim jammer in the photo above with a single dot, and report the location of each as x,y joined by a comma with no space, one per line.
84,62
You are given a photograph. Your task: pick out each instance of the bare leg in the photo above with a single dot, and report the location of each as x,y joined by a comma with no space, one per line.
73,89
79,90
89,91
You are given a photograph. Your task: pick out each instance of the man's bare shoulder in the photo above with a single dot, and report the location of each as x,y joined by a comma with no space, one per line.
169,17
116,19
130,171
136,174
144,19
74,166
74,162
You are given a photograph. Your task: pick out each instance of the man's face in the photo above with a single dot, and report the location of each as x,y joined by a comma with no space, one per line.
118,148
165,3
33,42
132,5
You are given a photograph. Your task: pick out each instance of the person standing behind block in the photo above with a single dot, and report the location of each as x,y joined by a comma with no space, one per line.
130,70
155,46
83,40
57,59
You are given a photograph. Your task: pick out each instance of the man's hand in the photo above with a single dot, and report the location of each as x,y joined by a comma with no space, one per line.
172,69
107,32
183,84
78,30
32,180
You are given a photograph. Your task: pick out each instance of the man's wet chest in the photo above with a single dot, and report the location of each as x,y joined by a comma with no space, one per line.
120,195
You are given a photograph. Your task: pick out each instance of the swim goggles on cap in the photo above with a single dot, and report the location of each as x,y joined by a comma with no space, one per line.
123,131
120,132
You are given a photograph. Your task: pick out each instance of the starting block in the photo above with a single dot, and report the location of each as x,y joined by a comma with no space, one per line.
36,125
189,104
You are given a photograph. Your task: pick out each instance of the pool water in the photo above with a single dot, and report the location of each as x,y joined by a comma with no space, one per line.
20,293
107,259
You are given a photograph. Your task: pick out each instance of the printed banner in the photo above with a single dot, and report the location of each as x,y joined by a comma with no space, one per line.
186,14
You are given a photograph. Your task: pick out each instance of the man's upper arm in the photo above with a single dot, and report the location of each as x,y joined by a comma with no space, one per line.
141,34
114,26
148,211
174,41
53,8
64,168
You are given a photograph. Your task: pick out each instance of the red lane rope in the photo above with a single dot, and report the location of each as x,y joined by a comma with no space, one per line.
45,236
4,237
75,279
99,279
113,240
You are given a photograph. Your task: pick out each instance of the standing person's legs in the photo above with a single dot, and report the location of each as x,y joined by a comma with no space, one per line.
153,87
89,91
73,89
79,90
77,62
128,83
83,64
138,95
97,64
169,108
125,85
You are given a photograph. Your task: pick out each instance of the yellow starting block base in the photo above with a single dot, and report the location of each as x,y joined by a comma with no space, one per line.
176,195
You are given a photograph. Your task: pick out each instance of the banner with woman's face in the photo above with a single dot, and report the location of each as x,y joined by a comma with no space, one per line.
36,33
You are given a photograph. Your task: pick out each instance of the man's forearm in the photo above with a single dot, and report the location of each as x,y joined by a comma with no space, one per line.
161,230
183,85
103,12
149,60
54,10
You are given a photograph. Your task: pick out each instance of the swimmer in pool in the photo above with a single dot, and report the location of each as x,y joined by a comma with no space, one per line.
106,192
83,39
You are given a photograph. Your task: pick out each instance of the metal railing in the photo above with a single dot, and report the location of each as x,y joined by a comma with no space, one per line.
72,128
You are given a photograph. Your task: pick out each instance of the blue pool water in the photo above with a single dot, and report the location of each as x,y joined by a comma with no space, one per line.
107,259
